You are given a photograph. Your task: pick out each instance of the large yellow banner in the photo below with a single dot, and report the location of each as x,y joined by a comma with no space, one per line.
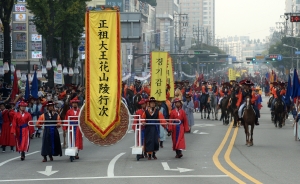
170,76
159,61
103,71
231,74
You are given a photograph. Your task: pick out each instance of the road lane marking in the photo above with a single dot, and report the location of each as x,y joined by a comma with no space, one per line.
117,177
5,162
217,161
232,165
111,165
195,131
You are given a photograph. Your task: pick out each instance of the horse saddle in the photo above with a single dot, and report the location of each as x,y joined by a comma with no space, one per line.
270,102
279,102
243,110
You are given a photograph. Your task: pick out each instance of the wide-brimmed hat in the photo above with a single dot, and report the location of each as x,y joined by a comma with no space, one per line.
23,104
282,83
204,82
50,103
142,101
152,99
177,100
274,83
186,81
75,100
248,83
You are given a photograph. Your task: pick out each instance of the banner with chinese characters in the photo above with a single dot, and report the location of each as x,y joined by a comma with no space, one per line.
159,61
231,74
170,76
103,71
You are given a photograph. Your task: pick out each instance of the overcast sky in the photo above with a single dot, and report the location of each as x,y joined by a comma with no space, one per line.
247,17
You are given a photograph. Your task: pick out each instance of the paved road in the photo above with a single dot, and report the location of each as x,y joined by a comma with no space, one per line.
215,154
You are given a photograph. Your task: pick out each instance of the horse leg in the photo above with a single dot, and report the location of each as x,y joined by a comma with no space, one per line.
246,133
216,113
205,112
251,139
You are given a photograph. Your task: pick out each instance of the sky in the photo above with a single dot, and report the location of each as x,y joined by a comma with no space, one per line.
247,17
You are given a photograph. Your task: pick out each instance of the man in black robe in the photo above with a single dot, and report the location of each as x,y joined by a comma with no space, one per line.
51,145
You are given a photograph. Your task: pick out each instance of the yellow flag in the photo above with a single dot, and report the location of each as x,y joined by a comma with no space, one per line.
159,62
103,71
170,76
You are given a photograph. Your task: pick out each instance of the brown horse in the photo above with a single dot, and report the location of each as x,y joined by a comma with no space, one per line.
62,115
225,110
249,120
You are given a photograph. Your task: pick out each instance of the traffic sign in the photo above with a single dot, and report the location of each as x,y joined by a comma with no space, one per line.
297,52
279,57
81,48
130,57
260,57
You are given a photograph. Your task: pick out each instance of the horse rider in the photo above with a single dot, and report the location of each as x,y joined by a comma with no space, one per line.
186,89
214,88
258,100
281,87
137,87
247,91
224,92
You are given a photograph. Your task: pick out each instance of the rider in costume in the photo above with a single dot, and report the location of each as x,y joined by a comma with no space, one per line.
247,91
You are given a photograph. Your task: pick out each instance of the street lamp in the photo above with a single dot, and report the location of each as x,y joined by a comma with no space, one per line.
285,45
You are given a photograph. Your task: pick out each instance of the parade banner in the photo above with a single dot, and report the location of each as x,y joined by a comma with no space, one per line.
231,74
170,76
103,71
159,62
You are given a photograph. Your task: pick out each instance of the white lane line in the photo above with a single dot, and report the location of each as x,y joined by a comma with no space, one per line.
5,162
111,165
117,177
130,131
195,131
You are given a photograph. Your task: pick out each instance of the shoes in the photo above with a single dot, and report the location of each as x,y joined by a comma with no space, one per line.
257,123
44,160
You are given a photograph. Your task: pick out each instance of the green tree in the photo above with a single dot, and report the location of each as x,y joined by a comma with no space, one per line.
6,7
61,23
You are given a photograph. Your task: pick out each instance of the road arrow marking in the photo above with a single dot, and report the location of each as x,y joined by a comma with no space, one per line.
181,170
48,171
195,131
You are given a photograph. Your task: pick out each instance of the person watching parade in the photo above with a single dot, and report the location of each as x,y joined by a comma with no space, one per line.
178,131
152,115
51,145
21,130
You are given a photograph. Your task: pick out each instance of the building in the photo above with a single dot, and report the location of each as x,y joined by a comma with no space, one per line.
292,6
201,18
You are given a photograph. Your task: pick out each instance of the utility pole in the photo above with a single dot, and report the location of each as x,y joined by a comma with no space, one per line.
179,42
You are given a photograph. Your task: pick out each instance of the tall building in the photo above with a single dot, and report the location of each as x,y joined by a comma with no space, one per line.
292,6
165,28
201,17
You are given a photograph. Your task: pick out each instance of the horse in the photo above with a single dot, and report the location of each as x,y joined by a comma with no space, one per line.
204,105
214,105
62,114
279,111
225,110
249,120
233,108
129,99
138,97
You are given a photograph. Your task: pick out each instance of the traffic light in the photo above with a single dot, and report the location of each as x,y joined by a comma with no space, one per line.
270,59
249,59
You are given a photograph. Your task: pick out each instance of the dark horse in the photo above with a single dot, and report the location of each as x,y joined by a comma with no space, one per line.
279,111
249,120
129,100
63,113
136,100
204,105
233,108
225,110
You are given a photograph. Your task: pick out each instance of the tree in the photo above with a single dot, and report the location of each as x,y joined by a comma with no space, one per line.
6,7
61,23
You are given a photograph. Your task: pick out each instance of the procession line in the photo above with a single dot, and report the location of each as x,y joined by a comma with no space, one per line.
232,165
116,177
111,165
217,161
2,163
